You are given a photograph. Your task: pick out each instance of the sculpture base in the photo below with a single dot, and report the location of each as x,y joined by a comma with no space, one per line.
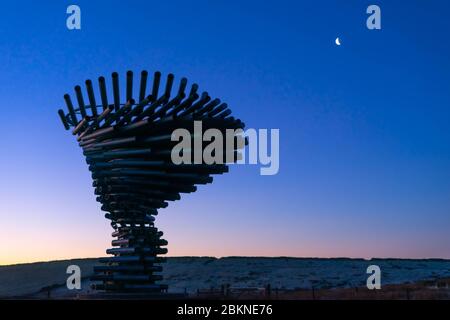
132,296
135,260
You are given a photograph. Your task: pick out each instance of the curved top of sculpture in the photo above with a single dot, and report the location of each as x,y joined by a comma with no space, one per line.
128,145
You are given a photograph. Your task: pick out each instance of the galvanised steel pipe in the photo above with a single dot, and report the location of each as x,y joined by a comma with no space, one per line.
127,148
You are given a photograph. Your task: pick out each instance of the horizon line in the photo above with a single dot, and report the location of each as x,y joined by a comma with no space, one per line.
237,256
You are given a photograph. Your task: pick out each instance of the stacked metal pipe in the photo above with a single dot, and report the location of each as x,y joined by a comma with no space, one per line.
127,145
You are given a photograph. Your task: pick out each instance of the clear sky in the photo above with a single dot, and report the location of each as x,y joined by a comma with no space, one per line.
364,134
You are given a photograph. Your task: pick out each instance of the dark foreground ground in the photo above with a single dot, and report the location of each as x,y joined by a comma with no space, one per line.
250,278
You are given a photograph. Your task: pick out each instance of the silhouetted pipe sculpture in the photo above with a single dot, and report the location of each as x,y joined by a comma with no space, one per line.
128,150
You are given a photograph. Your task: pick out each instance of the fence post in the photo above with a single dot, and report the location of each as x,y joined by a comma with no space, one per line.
268,290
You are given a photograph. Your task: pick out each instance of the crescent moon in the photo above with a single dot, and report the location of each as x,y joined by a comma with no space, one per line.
338,41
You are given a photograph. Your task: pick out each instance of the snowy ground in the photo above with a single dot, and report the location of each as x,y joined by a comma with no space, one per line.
192,273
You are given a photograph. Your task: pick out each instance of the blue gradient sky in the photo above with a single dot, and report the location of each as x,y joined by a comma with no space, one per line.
364,134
